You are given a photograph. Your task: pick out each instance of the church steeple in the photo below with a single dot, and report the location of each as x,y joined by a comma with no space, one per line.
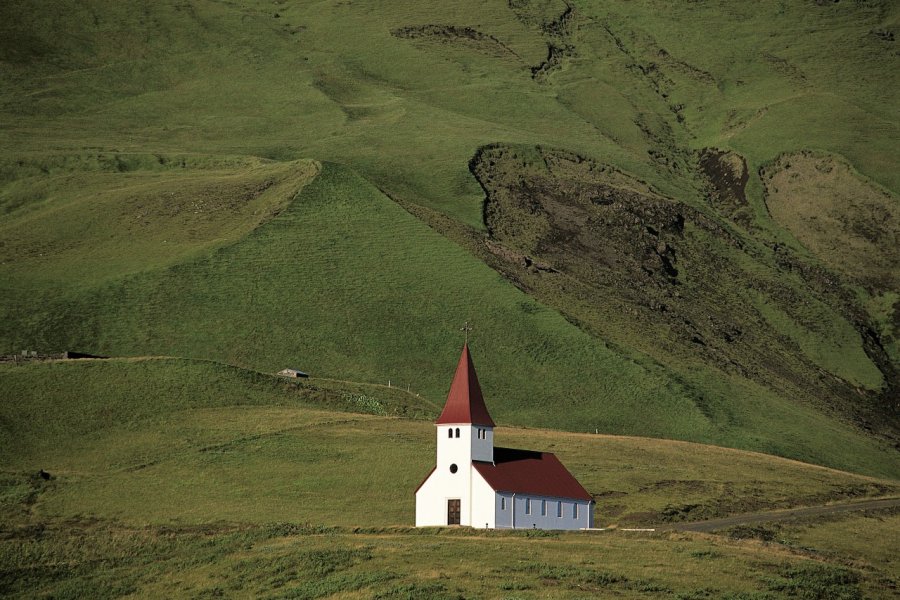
465,404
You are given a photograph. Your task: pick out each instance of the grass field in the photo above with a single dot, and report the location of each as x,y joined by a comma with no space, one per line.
219,190
230,483
283,561
341,250
184,442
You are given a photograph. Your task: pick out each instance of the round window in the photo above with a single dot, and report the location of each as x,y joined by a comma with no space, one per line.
453,468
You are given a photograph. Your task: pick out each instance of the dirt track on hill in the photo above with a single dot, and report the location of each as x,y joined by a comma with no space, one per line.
783,515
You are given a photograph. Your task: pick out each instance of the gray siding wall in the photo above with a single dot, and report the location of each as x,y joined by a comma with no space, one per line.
507,505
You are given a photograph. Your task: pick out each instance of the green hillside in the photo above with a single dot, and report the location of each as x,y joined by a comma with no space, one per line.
340,250
171,440
618,195
176,478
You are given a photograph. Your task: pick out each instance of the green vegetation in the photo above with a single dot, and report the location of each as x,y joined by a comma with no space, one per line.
849,223
342,252
664,219
246,184
308,562
107,225
318,252
192,442
176,478
215,181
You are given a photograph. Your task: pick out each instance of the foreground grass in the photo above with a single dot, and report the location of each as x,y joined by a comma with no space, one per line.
103,560
174,478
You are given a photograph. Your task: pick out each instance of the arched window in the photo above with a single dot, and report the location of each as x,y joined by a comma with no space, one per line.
450,433
457,432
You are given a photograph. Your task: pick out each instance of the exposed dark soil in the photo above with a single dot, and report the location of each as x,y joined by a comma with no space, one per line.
452,34
885,35
555,56
727,175
620,259
556,27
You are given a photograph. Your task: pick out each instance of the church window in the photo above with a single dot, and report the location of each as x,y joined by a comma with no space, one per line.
543,508
559,509
502,503
575,510
457,432
449,433
527,506
454,468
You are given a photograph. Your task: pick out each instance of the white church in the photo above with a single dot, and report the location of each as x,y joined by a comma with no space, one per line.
481,486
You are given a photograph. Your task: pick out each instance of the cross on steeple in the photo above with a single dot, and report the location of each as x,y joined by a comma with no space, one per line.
467,328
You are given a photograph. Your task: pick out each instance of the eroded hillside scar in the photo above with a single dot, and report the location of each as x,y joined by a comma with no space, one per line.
673,268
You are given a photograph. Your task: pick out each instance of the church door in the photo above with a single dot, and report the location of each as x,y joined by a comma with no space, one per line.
452,512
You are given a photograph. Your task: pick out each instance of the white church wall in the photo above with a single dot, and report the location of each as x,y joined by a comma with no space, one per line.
451,478
483,507
432,498
430,511
452,449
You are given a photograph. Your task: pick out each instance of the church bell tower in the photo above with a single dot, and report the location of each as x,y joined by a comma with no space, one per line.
465,430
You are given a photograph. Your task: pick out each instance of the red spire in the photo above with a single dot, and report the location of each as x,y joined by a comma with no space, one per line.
465,404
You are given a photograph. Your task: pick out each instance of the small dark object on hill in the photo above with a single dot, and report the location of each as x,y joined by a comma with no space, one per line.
885,35
45,475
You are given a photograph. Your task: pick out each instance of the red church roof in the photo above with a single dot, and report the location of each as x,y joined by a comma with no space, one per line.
526,472
465,404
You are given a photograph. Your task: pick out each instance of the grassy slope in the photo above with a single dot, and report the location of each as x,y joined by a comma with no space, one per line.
772,89
107,224
178,496
342,251
101,86
211,81
169,440
408,115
